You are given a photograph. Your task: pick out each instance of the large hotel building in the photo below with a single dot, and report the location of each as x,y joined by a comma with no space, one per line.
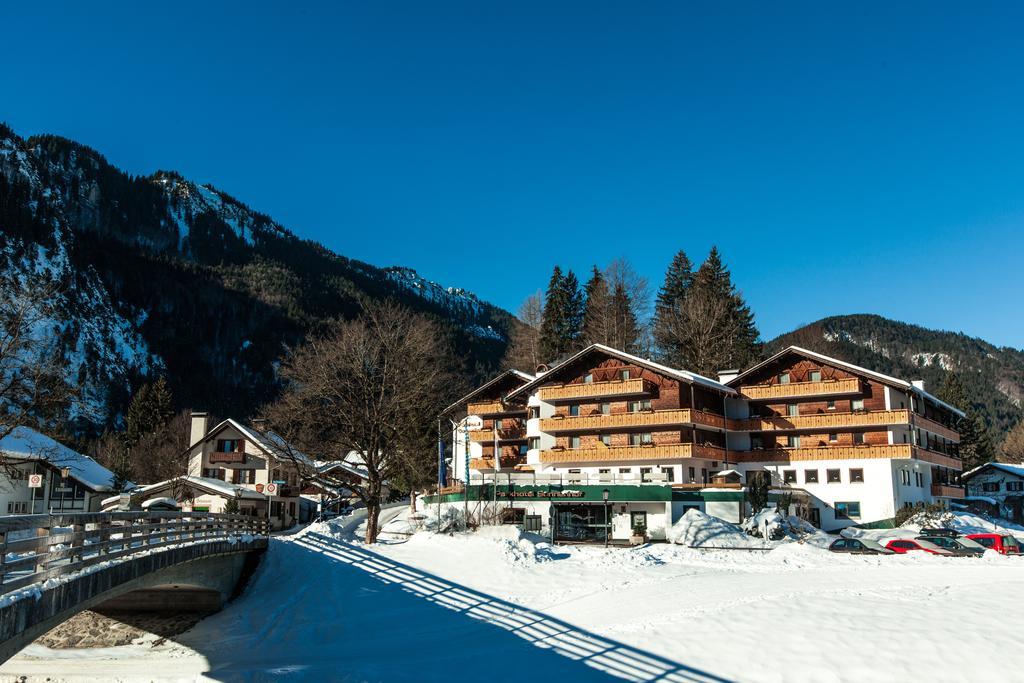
606,442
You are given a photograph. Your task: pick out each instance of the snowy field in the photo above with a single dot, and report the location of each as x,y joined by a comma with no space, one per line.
497,606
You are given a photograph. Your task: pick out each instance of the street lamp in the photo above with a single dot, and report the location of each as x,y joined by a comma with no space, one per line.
607,518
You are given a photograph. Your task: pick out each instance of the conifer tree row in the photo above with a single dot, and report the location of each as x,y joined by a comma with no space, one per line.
975,444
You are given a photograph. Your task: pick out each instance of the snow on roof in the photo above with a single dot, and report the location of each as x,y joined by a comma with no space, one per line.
269,442
28,444
215,486
684,375
1017,470
723,473
829,360
160,501
518,373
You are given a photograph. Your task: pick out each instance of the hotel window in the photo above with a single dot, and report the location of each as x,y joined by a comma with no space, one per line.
574,411
606,408
670,473
833,438
815,375
213,473
789,476
522,450
856,476
919,479
606,439
793,441
534,443
847,510
574,471
625,470
624,373
831,405
588,378
228,445
810,476
693,474
574,442
604,470
832,476
783,378
499,424
534,412
858,438
792,410
756,443
905,477
640,439
857,404
637,406
645,473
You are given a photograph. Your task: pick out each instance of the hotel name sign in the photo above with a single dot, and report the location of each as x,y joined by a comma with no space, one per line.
541,494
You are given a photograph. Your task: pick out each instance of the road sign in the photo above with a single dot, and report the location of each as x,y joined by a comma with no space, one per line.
474,423
35,481
271,489
259,488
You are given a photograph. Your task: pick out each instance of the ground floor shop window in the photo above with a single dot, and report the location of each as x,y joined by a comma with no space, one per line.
847,510
580,522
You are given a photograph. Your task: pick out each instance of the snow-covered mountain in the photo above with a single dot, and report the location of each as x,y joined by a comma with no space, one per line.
159,274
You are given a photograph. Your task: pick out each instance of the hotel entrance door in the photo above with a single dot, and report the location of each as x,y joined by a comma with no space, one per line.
579,522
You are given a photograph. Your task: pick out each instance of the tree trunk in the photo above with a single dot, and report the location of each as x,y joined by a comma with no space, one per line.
412,500
372,519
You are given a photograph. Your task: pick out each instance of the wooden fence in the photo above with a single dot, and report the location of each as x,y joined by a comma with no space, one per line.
35,548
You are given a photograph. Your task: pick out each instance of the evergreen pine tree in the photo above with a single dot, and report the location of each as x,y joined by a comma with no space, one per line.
551,344
626,327
975,443
572,331
714,279
151,408
665,327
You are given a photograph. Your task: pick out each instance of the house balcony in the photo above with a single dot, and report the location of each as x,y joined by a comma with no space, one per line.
493,408
486,435
226,457
890,451
828,387
648,419
823,421
508,462
936,428
947,491
585,390
644,453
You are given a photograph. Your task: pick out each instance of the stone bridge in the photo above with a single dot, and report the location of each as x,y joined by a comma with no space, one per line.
54,566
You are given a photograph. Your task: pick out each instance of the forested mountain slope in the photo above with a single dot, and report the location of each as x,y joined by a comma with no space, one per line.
993,376
160,275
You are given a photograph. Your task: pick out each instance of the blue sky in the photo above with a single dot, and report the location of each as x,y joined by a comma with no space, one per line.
845,158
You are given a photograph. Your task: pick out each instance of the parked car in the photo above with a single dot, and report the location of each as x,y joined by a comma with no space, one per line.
939,531
858,546
956,545
1005,545
905,545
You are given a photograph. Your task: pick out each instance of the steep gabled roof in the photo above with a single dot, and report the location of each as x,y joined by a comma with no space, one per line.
24,443
216,487
855,369
683,375
270,443
1017,470
518,374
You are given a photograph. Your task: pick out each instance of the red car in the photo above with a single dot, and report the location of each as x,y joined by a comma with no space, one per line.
905,545
1005,545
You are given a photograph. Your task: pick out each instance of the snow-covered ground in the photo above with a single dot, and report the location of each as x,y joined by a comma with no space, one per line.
500,606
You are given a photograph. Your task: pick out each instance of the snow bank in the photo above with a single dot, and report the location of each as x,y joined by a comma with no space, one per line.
697,529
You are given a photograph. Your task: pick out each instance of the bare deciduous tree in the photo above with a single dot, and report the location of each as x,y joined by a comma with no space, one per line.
372,387
702,327
524,345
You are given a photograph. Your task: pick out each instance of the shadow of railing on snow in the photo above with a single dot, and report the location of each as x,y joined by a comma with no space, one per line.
540,630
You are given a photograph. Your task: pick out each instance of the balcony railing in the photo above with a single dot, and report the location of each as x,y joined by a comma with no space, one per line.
936,428
493,408
230,457
507,462
644,453
891,451
507,434
828,387
583,390
947,491
649,418
831,420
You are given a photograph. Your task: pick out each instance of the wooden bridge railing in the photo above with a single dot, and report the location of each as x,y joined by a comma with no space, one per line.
35,548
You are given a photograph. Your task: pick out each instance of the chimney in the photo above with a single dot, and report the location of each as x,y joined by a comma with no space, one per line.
725,376
200,425
259,424
919,383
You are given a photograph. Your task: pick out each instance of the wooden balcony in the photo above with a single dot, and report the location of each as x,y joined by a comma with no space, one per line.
646,453
947,491
507,434
229,457
829,387
890,451
936,428
493,408
585,390
824,421
508,462
938,458
649,419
